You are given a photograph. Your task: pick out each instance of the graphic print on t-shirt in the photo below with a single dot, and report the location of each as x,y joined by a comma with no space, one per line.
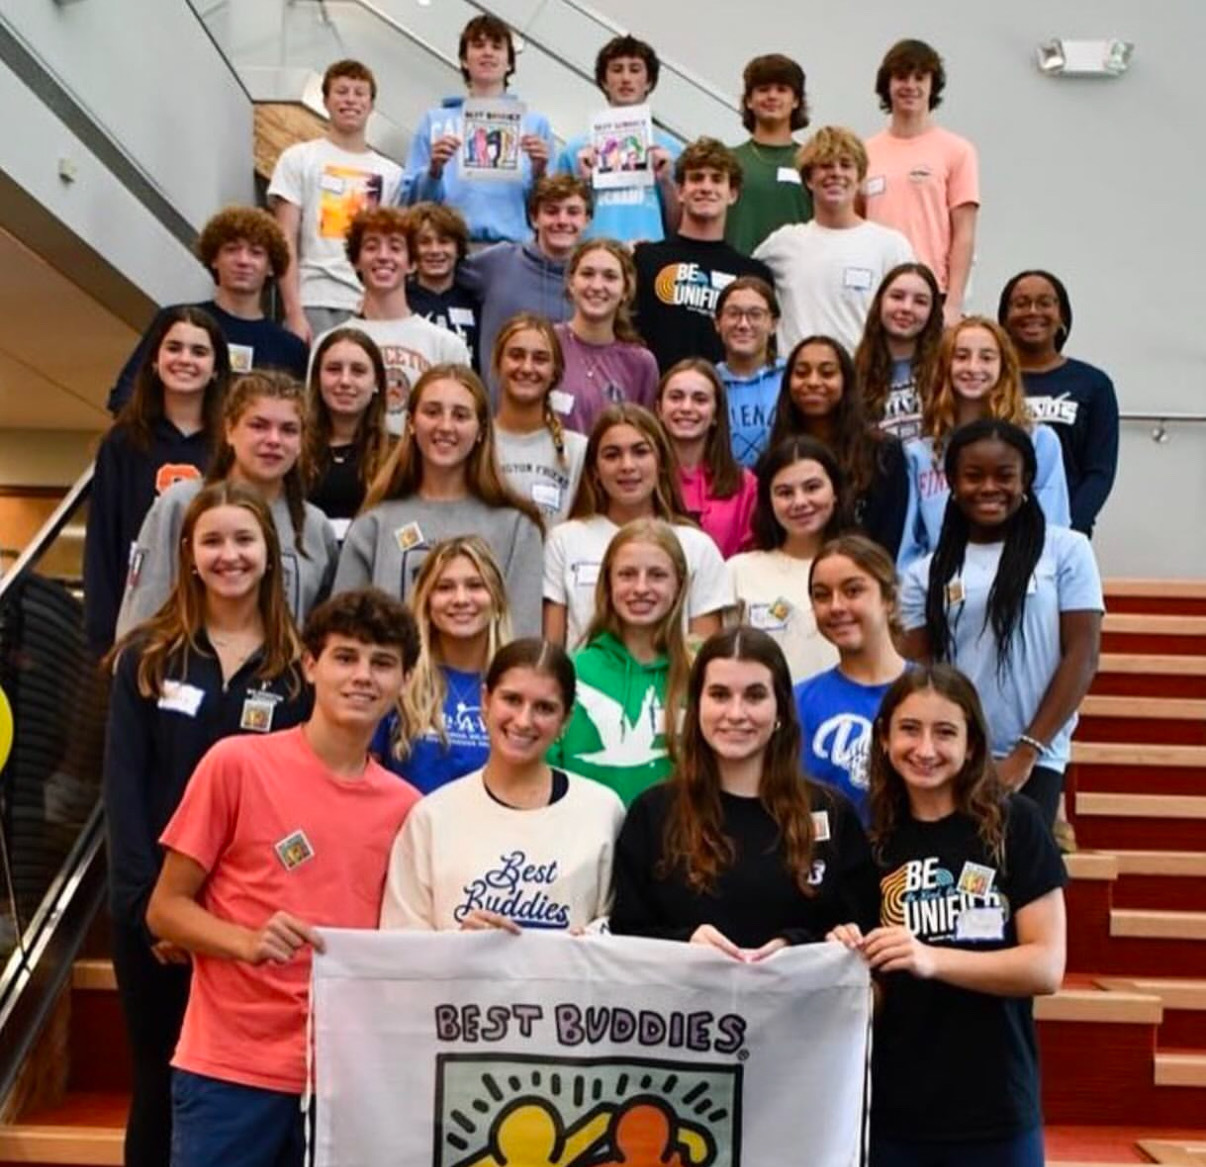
1061,410
518,888
623,743
845,740
687,285
172,472
925,897
346,192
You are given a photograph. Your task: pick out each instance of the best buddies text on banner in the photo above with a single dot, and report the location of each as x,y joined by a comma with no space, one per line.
485,1049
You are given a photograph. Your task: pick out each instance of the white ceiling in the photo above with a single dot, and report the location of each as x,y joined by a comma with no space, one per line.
60,350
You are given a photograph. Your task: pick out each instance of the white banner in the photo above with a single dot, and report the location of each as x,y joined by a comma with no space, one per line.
485,1049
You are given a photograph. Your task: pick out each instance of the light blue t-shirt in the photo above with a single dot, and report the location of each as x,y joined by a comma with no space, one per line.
752,408
1065,579
929,492
631,214
430,764
836,720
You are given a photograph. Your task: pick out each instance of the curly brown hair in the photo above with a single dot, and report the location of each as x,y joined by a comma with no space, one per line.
255,225
379,221
708,154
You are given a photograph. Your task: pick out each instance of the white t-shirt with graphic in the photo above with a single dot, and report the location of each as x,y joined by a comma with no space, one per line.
548,868
330,185
530,464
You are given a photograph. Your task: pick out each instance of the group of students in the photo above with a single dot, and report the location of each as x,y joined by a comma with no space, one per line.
730,647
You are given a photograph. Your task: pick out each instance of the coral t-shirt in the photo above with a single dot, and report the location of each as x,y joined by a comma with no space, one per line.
277,831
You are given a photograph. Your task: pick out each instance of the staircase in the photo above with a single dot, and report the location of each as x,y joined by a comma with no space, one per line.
1124,1041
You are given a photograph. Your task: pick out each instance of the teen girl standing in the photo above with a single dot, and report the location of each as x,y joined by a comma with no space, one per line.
972,928
819,399
264,419
436,733
629,475
632,670
537,455
165,433
852,586
1012,601
220,658
977,377
442,481
715,487
898,354
800,506
346,441
738,850
519,843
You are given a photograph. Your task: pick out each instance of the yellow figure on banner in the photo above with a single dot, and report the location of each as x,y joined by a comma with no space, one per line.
529,1133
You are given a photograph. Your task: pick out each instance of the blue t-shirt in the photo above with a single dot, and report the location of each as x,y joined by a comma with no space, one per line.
430,764
836,719
1065,579
929,491
630,213
752,408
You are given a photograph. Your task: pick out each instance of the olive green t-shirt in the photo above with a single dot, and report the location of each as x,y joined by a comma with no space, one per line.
772,194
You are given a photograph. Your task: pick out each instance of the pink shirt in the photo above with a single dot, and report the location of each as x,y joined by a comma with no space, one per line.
277,831
599,375
727,520
913,184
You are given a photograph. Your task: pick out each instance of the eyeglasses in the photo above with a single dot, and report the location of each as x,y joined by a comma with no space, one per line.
1026,303
753,315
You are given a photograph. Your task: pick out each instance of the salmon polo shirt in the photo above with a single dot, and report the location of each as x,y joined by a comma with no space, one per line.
276,830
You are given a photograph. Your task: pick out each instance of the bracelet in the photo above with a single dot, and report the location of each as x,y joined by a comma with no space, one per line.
1026,740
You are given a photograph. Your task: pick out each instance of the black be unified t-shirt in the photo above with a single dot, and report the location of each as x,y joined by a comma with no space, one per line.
949,1064
678,283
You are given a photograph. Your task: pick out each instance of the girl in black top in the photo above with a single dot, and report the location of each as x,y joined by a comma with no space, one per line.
737,849
220,657
972,926
166,432
819,398
346,439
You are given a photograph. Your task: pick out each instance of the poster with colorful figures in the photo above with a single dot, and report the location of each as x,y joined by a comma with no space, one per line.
621,139
490,139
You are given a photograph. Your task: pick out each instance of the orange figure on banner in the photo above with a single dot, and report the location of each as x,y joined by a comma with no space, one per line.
646,1132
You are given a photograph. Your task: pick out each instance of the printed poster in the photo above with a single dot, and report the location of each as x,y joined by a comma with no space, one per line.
491,130
621,139
546,1050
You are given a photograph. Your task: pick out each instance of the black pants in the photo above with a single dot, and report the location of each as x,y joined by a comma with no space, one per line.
153,997
1043,787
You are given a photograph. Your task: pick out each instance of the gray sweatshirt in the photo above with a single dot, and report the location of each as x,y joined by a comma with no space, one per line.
155,556
386,547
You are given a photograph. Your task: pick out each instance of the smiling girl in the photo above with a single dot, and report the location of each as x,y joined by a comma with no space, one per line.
263,433
629,475
715,488
606,362
977,378
519,843
632,672
436,733
800,505
441,481
738,850
972,928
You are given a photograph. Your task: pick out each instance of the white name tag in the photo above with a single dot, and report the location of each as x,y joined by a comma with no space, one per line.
874,186
980,924
332,183
858,278
177,697
547,495
242,358
766,617
820,826
460,315
561,401
788,174
586,574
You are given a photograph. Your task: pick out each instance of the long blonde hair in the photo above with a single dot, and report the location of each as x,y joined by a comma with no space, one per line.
520,322
622,326
402,474
1006,400
421,702
668,637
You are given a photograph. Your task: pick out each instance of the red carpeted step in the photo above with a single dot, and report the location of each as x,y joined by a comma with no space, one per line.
1126,632
100,1057
1150,675
1162,597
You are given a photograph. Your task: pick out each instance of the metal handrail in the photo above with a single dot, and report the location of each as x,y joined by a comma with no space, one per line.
1171,416
202,19
50,530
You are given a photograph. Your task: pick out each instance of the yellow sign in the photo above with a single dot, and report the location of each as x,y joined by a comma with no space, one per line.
6,729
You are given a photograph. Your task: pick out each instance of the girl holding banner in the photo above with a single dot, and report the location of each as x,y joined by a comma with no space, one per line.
972,927
738,849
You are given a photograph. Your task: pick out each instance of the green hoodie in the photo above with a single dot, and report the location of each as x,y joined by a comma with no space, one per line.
616,734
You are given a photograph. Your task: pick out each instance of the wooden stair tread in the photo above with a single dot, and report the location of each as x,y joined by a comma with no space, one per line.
1175,992
1152,923
1149,806
1190,1152
1149,708
1157,589
1176,863
1180,1068
1101,1145
1145,663
93,974
1125,754
86,1129
1100,865
1097,1005
1154,625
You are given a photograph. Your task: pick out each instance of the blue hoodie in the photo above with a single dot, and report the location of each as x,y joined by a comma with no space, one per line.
494,211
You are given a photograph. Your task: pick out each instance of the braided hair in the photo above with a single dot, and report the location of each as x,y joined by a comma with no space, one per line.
1024,532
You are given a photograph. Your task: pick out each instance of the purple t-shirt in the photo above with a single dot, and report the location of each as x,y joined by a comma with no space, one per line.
599,375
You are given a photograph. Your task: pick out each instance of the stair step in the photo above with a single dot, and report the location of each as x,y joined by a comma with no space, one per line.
1156,596
1184,1001
93,975
1149,806
1102,865
1117,767
1091,1005
1121,754
1186,1152
1161,879
1101,1145
1170,720
1180,1068
1156,925
1143,632
1186,864
1150,675
86,1130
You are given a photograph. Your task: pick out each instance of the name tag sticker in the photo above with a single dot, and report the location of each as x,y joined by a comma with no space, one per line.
820,826
858,278
178,697
547,495
460,315
561,401
788,174
294,850
875,186
586,574
258,709
954,591
768,617
242,357
408,537
980,924
332,183
975,879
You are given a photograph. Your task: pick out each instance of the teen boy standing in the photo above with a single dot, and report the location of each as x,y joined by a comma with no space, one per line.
276,836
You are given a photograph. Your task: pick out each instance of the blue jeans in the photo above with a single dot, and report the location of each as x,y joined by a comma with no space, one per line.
1024,1150
216,1122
